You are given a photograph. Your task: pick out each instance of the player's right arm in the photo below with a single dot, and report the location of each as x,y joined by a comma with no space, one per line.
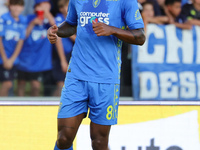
67,28
64,30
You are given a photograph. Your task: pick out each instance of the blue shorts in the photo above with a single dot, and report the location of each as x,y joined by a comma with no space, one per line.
102,99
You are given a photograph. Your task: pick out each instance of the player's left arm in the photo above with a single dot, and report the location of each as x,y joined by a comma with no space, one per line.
136,36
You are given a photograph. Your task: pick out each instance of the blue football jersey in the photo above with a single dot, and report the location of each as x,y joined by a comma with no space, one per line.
11,32
98,59
67,43
37,51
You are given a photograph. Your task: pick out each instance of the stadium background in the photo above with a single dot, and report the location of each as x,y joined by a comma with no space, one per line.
31,123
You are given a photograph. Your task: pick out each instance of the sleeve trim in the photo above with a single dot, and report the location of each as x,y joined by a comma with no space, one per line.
71,23
136,26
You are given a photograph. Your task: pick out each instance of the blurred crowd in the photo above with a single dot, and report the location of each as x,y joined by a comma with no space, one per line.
182,13
29,61
26,56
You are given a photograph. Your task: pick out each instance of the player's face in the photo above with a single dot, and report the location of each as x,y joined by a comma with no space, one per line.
148,10
175,9
16,10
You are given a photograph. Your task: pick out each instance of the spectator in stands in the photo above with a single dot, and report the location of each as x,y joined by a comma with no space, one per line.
3,6
156,7
64,48
149,17
35,57
163,10
192,12
174,9
54,8
12,35
161,7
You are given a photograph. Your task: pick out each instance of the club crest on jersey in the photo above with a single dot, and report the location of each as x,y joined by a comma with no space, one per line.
138,15
96,3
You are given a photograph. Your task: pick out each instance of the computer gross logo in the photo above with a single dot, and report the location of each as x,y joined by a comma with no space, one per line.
88,17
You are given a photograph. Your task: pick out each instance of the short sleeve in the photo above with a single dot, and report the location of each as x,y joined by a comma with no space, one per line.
72,14
2,26
131,14
23,27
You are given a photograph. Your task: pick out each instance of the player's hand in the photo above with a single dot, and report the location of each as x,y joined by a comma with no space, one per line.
64,66
101,29
8,64
52,34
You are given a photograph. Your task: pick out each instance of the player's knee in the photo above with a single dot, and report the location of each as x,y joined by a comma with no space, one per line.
64,142
98,143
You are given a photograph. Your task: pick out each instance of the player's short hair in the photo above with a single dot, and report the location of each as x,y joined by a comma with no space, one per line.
171,2
62,3
16,2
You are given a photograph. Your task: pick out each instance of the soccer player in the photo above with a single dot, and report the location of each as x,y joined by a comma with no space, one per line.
12,35
92,80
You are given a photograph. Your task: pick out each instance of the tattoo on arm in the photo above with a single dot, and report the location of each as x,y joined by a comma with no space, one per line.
138,34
